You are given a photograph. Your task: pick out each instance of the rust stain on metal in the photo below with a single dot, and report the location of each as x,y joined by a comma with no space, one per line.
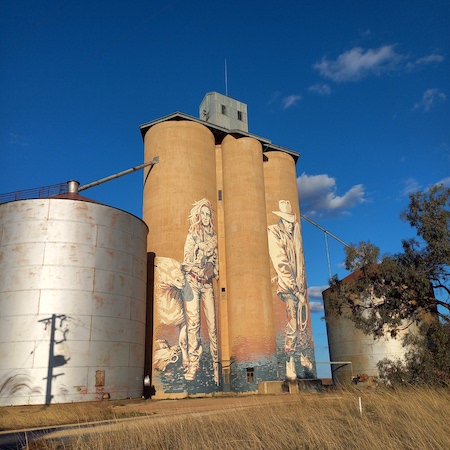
114,218
81,206
99,378
99,300
110,285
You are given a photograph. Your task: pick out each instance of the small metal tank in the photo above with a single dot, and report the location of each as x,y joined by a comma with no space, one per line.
72,301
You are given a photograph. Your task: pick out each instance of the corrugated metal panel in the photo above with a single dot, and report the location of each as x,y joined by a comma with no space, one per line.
72,302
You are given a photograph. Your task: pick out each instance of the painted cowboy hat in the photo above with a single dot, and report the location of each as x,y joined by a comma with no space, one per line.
285,211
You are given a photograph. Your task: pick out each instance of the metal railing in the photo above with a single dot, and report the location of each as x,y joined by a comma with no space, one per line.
40,192
63,188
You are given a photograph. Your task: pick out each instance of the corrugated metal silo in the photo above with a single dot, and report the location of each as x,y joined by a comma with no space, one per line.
72,301
348,344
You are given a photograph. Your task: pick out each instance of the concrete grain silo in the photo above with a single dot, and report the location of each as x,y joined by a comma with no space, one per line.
180,208
72,301
295,346
185,173
250,312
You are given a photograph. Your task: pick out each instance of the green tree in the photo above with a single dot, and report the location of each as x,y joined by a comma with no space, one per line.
392,294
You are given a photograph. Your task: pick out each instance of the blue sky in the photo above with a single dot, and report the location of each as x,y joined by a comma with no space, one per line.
360,89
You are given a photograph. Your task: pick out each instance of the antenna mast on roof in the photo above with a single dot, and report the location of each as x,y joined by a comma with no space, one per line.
226,78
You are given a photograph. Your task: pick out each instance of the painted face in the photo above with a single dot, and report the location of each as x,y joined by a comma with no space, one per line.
205,216
289,226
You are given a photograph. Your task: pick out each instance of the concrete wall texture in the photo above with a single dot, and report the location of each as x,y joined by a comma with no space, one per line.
230,302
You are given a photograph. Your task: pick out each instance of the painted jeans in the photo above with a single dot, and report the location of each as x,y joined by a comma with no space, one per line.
201,292
297,316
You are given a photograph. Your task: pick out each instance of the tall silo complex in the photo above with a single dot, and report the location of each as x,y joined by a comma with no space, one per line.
72,301
219,315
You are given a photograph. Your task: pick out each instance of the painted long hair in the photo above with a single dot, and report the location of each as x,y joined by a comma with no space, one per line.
195,220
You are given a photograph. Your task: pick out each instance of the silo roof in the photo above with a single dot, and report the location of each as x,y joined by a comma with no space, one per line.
74,196
218,132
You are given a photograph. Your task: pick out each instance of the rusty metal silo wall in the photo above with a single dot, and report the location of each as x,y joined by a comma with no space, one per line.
250,313
180,209
295,347
72,302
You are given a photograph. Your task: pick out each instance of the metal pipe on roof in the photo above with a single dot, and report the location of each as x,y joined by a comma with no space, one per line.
73,186
117,175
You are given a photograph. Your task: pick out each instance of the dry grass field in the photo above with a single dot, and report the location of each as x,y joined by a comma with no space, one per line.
388,419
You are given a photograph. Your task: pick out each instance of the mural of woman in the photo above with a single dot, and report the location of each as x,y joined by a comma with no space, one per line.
200,266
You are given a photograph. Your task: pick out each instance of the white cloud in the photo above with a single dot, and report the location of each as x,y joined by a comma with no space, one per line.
318,196
411,185
316,291
315,307
358,63
314,186
430,98
445,182
429,59
291,100
320,88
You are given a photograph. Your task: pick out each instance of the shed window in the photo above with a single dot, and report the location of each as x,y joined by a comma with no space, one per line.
250,374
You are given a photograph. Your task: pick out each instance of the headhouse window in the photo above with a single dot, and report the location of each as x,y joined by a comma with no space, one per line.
224,109
239,115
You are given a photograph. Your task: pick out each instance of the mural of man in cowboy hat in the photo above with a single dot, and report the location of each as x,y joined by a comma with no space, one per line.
285,248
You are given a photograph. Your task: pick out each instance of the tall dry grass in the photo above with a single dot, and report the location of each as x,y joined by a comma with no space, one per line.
403,419
21,417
